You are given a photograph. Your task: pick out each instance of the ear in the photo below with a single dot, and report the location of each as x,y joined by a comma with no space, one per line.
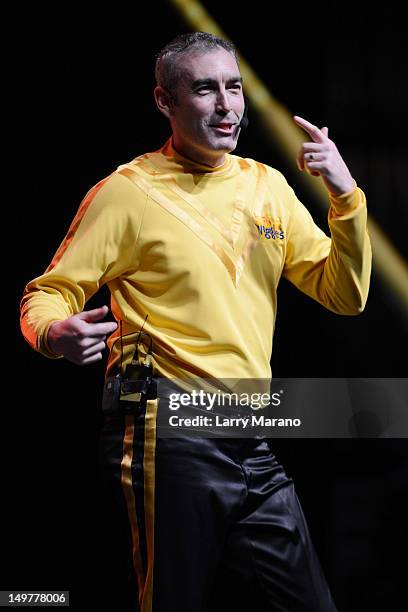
163,101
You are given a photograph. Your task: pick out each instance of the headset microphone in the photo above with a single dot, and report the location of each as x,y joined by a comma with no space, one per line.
244,121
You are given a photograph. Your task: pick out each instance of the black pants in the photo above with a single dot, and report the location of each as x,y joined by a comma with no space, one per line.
215,523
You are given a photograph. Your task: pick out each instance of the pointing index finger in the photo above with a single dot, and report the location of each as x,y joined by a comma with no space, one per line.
314,132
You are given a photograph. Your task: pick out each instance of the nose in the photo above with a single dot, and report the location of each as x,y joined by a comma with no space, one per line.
223,104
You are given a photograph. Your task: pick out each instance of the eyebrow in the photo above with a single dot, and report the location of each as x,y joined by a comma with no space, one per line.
209,81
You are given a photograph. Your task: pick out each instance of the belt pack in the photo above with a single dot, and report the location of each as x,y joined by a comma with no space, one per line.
124,396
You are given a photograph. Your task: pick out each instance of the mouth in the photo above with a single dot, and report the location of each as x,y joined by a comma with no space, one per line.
224,128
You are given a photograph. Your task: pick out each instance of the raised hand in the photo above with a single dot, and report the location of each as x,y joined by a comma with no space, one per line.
80,338
322,158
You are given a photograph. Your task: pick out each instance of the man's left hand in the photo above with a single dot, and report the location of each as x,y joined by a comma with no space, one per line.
321,158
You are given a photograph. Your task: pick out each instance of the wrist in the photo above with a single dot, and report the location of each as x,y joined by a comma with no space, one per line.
51,337
347,190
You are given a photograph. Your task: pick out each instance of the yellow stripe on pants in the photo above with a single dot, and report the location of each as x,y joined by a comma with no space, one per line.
145,579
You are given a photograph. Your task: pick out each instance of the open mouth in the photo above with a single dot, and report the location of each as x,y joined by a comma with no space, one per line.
225,128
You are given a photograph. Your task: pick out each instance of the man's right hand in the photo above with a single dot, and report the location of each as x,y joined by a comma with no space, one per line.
80,338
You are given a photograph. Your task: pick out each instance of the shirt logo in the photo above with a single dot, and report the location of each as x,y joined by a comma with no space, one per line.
268,228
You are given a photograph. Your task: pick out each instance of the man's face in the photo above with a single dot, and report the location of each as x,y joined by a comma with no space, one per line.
210,104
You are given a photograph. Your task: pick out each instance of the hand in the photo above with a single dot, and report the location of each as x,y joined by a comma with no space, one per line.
80,338
321,158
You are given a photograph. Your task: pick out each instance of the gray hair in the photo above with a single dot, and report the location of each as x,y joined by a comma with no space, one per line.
167,70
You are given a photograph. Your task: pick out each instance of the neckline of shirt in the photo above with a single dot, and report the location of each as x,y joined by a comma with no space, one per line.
168,159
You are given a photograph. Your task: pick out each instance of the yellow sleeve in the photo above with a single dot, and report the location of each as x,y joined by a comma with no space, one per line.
99,246
334,271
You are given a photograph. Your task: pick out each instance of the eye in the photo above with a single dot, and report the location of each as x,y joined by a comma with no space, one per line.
205,89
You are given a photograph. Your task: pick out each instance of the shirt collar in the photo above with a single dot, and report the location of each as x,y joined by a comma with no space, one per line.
167,158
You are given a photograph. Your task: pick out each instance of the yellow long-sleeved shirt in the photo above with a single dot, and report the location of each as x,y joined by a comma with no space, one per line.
201,251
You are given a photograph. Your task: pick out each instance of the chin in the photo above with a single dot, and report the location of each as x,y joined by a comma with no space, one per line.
233,146
225,145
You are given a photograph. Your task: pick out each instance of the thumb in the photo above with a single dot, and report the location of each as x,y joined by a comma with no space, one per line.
94,315
325,131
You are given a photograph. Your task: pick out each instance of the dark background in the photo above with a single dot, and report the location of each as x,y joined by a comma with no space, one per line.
79,103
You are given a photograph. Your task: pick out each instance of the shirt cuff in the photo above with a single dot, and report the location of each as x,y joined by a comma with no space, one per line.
346,202
43,346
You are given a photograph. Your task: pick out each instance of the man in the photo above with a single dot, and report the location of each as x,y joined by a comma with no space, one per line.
191,242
